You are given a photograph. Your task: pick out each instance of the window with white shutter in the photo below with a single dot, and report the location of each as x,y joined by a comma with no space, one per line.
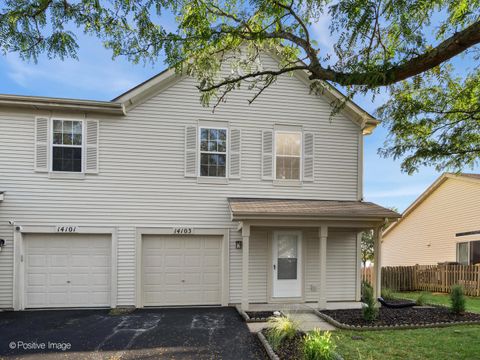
267,154
288,155
67,145
235,153
91,147
213,152
190,151
308,154
41,144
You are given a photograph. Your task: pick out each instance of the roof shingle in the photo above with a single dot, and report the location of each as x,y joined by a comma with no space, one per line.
248,207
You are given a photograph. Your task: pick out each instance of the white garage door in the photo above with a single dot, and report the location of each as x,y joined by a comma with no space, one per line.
182,270
67,270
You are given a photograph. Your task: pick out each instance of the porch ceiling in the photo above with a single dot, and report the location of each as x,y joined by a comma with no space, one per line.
255,208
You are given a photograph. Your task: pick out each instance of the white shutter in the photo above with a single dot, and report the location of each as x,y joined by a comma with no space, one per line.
235,153
41,144
190,151
308,153
91,147
267,154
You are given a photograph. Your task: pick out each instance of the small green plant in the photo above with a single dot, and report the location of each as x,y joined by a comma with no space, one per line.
280,328
388,294
370,310
457,300
318,345
421,300
365,285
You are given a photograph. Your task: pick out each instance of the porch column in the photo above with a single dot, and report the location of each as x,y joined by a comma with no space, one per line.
245,264
322,284
377,262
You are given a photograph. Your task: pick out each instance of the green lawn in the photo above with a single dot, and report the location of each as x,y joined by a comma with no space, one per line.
473,303
456,342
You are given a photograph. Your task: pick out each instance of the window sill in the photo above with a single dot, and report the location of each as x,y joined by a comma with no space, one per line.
296,183
211,180
66,175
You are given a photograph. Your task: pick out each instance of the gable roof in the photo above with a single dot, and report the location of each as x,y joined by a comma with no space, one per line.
145,90
475,178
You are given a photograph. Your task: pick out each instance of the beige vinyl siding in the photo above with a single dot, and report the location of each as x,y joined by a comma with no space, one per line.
260,260
341,266
141,178
427,235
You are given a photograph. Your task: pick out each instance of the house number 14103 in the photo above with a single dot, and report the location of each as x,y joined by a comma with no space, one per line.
67,229
185,230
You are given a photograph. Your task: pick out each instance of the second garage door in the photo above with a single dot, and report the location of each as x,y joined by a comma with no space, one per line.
181,270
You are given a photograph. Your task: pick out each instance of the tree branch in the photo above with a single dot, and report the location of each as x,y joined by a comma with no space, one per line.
234,80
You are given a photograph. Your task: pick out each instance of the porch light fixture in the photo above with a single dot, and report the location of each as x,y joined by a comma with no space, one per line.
238,245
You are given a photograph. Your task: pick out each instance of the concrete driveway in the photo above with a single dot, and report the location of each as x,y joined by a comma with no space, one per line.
181,333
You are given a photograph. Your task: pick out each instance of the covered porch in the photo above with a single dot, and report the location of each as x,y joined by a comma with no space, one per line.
305,251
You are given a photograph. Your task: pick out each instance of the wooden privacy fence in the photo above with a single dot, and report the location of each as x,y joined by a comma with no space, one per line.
435,278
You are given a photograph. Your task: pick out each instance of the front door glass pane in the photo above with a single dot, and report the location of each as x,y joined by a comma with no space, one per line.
287,257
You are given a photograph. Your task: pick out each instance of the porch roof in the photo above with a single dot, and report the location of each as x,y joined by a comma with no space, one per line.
252,208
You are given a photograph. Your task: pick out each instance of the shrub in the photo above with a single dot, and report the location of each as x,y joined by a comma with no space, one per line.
318,346
370,310
365,285
280,328
388,294
457,299
421,300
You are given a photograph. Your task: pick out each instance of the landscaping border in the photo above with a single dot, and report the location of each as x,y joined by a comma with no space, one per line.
343,326
271,354
248,319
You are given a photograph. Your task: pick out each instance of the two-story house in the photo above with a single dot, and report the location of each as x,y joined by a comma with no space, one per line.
153,200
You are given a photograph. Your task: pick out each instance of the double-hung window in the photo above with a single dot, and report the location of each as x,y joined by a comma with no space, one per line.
288,155
213,152
67,143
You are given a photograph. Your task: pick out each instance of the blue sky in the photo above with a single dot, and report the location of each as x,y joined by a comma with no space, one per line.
96,76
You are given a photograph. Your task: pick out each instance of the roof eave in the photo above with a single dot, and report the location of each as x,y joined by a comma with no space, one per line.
46,103
292,216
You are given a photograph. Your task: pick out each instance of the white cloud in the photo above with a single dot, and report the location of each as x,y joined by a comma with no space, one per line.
106,79
321,33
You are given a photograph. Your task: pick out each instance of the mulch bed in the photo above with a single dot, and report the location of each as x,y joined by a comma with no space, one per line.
406,316
289,349
259,315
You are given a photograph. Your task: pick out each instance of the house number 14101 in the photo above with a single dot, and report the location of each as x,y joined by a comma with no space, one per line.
67,229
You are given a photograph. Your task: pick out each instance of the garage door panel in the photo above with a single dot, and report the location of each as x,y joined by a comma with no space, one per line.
67,270
190,273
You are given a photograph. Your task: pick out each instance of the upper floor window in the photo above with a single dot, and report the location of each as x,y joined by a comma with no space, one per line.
288,155
67,142
213,152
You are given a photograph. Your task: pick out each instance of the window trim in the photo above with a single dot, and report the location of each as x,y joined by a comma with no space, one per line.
458,251
199,151
51,145
287,181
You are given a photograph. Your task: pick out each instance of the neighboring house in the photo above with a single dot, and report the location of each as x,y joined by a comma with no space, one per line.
442,225
153,200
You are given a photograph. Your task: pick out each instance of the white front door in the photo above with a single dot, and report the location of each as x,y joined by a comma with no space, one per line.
287,261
